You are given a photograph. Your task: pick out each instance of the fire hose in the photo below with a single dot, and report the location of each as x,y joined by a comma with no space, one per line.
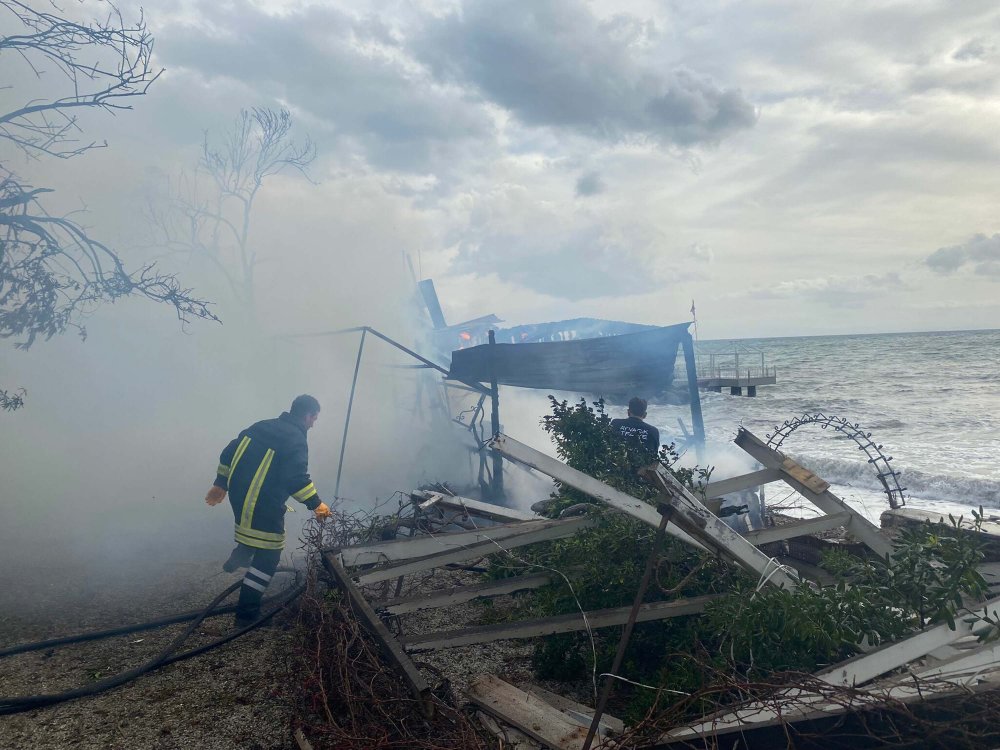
168,655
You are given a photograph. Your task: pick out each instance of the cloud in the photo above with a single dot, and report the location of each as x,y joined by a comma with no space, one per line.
980,251
553,63
590,184
973,50
348,73
835,291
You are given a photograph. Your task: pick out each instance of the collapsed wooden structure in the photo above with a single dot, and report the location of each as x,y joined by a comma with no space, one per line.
937,661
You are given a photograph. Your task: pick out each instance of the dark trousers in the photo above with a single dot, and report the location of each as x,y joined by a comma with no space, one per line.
263,563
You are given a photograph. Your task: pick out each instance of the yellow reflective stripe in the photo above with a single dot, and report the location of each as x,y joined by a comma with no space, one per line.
250,541
305,493
269,536
258,480
223,470
239,452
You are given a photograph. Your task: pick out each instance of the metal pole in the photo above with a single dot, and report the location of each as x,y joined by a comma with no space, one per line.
666,512
497,488
697,421
350,405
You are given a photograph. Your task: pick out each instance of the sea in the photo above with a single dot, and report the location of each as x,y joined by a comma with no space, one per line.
931,400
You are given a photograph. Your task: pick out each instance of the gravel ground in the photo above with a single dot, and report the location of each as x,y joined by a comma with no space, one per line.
234,697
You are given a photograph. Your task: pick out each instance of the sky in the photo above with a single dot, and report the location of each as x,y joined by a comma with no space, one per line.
792,168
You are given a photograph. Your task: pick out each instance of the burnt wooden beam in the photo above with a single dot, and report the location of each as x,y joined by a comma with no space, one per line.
389,645
459,594
604,618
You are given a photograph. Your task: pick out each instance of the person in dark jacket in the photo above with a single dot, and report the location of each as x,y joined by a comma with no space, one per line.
260,468
634,428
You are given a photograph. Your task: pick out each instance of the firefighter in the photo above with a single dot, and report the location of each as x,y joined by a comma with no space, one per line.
260,468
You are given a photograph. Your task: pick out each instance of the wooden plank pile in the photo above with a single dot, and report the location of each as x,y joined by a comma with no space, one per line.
483,530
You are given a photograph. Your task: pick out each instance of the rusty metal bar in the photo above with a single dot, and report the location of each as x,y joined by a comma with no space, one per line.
666,512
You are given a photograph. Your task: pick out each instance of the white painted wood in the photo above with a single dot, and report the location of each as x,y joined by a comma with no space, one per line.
856,672
826,501
698,521
740,483
801,528
632,506
408,548
476,507
460,594
450,554
571,623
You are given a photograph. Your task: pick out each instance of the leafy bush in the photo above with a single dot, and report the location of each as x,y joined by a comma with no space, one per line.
753,631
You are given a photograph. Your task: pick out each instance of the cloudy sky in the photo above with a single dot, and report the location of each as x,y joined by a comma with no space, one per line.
795,168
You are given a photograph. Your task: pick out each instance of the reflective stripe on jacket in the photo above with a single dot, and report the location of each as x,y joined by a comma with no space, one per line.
264,465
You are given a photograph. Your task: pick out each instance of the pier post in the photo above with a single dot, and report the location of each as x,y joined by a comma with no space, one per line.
751,390
736,391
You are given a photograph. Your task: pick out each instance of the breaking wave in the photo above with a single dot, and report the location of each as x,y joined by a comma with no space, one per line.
967,490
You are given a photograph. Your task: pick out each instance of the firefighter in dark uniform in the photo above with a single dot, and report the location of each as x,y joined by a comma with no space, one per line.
260,468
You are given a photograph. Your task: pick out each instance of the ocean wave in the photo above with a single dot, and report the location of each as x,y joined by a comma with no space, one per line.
968,490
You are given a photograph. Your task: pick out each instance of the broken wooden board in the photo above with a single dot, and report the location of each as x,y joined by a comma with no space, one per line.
459,594
421,545
804,476
632,506
852,673
739,484
578,712
603,618
545,531
472,507
858,526
389,645
800,528
529,714
698,521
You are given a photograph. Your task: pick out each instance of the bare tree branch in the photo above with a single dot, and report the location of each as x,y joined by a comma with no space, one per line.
121,69
217,226
53,274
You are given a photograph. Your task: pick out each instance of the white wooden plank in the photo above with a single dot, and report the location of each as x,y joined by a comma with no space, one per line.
801,528
851,673
571,623
547,531
571,477
826,501
476,507
422,545
740,483
698,521
460,594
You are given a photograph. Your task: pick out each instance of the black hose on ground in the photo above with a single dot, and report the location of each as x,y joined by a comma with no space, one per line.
97,635
17,704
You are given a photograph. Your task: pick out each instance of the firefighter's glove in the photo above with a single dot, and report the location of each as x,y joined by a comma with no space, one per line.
322,511
215,496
